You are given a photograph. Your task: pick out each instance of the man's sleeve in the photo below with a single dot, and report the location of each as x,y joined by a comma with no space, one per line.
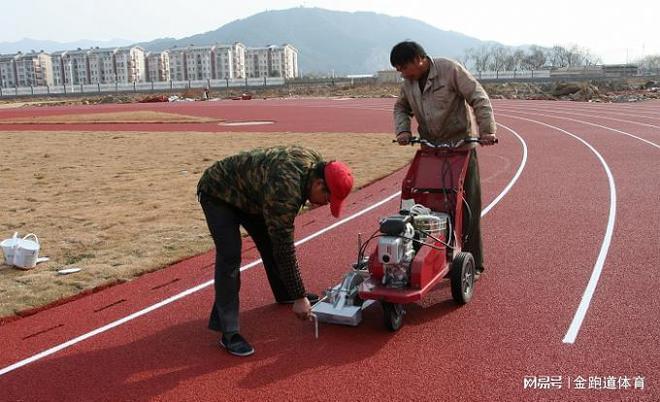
281,205
402,114
476,97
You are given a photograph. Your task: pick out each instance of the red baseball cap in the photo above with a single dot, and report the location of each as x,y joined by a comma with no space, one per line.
339,180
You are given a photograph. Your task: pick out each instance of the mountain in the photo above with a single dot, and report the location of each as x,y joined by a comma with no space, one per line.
343,42
27,44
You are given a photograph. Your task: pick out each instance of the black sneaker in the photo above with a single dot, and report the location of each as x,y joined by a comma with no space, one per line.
237,345
478,272
310,296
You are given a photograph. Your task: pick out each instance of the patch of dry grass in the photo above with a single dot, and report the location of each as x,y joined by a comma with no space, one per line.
142,116
121,204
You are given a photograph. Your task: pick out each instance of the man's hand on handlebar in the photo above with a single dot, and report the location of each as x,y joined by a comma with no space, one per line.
403,138
487,139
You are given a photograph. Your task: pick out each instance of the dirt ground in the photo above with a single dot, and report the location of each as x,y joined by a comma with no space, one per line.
143,116
119,204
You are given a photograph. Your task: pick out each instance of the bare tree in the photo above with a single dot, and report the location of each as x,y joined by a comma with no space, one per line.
515,60
499,57
534,59
650,63
479,57
559,56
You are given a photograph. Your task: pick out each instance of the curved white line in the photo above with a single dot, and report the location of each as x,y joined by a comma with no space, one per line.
523,162
583,307
254,263
588,123
555,110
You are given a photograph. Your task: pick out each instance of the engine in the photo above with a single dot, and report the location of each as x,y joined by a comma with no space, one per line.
402,236
395,249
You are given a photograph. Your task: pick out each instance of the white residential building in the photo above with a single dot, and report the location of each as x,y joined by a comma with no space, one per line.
102,66
256,62
129,64
7,71
33,69
272,61
223,62
157,66
75,65
238,50
57,59
177,64
199,62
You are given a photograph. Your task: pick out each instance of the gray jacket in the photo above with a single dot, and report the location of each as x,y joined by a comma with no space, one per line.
442,109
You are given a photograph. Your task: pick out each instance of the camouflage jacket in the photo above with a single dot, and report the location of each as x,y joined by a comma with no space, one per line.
441,110
271,183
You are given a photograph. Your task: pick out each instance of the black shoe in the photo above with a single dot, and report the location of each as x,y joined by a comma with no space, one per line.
478,272
310,296
237,345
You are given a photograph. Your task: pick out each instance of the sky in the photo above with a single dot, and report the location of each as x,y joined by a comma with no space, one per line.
616,31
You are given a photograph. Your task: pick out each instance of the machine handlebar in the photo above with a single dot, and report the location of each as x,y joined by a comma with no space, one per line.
448,145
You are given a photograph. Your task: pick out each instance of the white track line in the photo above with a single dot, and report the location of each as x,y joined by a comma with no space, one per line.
197,288
523,162
588,123
177,296
555,110
582,309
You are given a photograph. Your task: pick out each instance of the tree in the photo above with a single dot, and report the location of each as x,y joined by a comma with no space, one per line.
479,57
650,63
535,59
499,57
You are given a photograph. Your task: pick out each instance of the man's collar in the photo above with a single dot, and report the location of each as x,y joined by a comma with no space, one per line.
433,72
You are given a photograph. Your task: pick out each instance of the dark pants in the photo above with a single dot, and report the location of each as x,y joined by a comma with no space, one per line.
472,221
223,221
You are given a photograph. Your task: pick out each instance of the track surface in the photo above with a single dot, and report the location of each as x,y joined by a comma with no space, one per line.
582,214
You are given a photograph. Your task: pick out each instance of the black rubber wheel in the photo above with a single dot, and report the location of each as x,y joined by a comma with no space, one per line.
393,315
462,278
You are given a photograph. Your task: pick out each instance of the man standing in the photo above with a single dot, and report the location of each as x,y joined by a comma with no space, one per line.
263,191
439,93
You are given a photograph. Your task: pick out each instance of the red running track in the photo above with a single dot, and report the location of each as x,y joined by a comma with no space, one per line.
543,239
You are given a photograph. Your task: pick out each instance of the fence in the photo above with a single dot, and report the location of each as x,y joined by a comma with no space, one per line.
91,89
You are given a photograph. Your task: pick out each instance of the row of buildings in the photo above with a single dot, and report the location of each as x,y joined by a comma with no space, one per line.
133,64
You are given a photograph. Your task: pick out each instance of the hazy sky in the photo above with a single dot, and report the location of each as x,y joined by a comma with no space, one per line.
616,31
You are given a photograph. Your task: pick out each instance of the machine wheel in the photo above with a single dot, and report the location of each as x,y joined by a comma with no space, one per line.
462,277
393,315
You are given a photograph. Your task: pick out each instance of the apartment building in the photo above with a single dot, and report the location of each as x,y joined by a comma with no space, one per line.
75,67
57,59
7,71
199,62
177,64
157,66
223,62
272,61
256,62
238,53
33,69
229,61
132,64
102,66
129,64
25,70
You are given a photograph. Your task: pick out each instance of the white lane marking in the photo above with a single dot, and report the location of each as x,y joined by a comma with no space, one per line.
582,309
523,162
588,123
580,107
197,288
177,296
554,110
